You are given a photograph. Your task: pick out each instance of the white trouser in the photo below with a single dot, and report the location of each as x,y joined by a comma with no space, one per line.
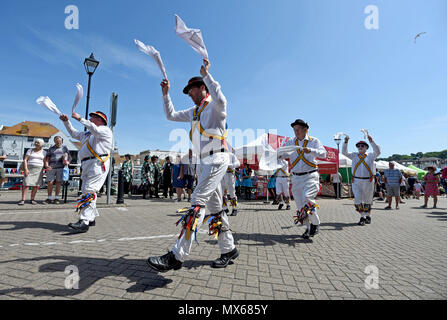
363,191
229,183
282,188
93,179
305,189
208,192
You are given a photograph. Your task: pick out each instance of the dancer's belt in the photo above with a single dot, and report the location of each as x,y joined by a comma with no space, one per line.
365,178
91,158
304,173
206,154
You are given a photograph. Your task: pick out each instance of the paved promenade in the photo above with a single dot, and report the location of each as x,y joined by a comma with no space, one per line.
401,255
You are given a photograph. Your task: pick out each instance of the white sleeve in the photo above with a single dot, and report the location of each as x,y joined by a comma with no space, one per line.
171,114
319,151
215,90
376,149
101,131
344,151
78,135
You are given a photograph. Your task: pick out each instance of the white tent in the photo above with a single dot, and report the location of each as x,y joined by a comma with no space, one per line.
405,169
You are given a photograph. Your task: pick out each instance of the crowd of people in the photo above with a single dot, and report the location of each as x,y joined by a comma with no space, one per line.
179,177
392,183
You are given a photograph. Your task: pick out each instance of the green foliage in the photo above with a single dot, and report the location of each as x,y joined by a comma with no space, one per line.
414,156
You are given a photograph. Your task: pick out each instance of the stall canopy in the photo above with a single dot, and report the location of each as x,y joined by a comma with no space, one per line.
421,173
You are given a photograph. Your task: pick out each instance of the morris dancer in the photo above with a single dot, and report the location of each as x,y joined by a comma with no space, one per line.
282,185
305,176
229,185
94,154
363,172
208,133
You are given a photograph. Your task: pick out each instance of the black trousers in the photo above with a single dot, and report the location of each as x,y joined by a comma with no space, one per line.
167,185
126,186
337,189
153,189
272,192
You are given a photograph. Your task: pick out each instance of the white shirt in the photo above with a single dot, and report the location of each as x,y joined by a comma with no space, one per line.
336,177
36,158
212,119
284,167
362,171
100,138
316,148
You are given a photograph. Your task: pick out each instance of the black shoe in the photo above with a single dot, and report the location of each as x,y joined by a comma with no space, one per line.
313,230
280,206
368,220
225,259
79,226
306,234
92,223
362,222
227,210
164,263
288,207
234,212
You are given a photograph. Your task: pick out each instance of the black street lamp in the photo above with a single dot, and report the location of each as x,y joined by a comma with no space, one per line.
90,65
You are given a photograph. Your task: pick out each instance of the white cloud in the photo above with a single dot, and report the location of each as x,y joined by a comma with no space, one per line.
59,50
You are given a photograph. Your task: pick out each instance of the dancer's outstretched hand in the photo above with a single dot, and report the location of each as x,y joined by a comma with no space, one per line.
346,139
204,69
165,86
64,117
76,116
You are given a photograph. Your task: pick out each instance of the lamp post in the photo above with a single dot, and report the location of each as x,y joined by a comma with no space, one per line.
337,140
90,65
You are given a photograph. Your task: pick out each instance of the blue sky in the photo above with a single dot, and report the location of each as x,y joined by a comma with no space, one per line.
276,61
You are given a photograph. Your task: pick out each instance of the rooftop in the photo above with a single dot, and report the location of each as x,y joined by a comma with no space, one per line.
30,129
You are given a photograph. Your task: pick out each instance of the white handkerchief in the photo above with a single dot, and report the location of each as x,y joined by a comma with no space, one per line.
47,103
338,135
365,133
149,50
192,36
79,95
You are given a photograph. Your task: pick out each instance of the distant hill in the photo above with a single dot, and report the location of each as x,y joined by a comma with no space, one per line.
415,156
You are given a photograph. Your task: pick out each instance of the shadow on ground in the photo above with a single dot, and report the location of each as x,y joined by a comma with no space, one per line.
93,269
261,239
20,225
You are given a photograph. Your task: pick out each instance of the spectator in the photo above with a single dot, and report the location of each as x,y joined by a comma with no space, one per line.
271,187
167,178
417,189
393,179
145,176
127,167
3,156
247,183
178,182
188,172
403,188
238,182
155,173
444,176
411,181
379,189
431,186
33,165
336,182
56,159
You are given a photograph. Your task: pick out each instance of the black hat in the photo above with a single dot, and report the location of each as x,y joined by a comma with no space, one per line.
196,81
147,157
300,122
362,142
